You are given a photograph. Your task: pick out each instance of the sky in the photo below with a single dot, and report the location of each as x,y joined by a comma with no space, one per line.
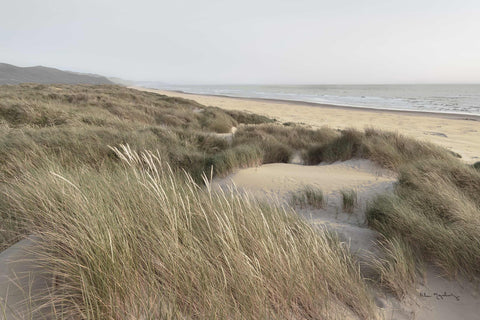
248,42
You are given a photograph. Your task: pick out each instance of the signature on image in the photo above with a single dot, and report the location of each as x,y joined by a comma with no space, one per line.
439,296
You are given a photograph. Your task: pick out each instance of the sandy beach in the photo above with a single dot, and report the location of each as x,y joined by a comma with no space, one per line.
459,133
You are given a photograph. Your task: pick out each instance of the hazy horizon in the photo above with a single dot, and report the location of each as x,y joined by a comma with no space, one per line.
252,84
249,43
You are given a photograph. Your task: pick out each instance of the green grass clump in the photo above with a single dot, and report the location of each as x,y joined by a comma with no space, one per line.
241,156
141,241
216,120
476,165
280,142
349,200
346,146
308,196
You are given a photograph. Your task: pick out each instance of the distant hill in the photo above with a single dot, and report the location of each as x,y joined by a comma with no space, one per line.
10,74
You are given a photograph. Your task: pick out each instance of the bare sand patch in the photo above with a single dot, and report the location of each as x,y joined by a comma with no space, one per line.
277,181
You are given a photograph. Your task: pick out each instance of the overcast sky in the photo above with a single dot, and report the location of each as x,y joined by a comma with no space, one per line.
248,41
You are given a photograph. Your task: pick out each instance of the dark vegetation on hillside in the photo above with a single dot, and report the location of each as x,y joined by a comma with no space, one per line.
10,74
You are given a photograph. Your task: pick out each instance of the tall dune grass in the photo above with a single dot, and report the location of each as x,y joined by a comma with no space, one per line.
436,211
388,149
398,268
144,242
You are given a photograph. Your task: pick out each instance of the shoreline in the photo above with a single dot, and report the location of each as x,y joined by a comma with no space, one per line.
455,132
447,115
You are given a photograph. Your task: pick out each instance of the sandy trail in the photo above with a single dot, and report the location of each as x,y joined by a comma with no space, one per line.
21,282
458,133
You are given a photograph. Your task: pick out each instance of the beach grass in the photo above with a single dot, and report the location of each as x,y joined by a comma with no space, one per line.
397,269
476,165
435,210
141,241
435,207
388,149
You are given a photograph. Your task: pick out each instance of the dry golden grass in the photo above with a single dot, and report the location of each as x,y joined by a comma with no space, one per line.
139,241
388,149
436,211
398,268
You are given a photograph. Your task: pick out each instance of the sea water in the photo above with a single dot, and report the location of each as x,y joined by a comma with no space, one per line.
447,98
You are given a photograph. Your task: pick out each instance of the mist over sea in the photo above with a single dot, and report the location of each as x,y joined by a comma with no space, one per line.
448,98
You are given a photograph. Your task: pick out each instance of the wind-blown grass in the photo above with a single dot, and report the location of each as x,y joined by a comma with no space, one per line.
397,268
476,165
140,241
436,211
120,215
388,149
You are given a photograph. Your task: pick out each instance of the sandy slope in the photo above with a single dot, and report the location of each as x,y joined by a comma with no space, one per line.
276,182
450,131
436,297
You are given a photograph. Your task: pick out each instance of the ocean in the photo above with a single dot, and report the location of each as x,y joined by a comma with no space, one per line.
446,98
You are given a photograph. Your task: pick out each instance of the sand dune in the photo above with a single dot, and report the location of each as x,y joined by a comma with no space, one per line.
275,182
437,297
